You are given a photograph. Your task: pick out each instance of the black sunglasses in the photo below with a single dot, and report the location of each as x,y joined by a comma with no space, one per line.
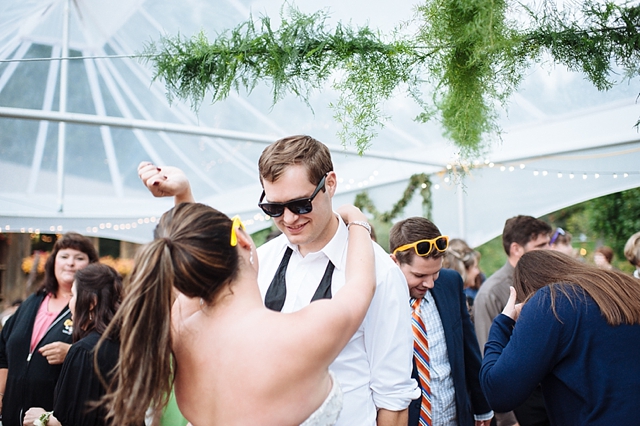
297,206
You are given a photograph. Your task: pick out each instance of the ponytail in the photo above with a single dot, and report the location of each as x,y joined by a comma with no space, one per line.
143,375
191,253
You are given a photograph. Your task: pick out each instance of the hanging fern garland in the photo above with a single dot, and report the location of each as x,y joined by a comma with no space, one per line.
472,57
298,58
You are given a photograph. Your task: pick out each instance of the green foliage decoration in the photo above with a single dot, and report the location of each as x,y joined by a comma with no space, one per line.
298,57
466,53
593,40
474,67
418,181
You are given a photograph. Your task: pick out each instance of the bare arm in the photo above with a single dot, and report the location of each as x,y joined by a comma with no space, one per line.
329,324
166,181
392,418
360,277
360,274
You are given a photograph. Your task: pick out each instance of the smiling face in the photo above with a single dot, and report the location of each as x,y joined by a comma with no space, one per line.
67,262
311,231
421,274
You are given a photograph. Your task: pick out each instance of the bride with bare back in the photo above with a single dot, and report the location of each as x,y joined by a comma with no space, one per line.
236,362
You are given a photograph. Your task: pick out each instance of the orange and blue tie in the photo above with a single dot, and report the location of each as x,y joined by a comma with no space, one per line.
421,355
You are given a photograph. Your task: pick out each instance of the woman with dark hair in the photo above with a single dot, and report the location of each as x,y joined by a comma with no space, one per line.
577,333
236,362
36,339
97,292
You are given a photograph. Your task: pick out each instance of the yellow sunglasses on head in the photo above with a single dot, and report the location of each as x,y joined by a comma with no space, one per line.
424,247
237,223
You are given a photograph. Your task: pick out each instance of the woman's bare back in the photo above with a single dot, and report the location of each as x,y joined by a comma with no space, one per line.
243,365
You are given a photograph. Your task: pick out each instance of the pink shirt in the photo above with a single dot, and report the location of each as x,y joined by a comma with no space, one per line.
43,321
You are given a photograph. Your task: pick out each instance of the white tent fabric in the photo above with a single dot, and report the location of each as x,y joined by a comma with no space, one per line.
563,142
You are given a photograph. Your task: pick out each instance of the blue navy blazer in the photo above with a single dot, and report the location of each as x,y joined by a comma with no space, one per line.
462,348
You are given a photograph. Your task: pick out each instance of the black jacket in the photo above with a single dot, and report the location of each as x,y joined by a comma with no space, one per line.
31,380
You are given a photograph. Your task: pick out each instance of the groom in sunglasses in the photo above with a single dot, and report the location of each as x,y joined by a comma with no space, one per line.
307,262
446,353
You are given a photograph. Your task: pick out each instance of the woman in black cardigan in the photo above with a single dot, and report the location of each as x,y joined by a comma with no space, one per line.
97,293
37,337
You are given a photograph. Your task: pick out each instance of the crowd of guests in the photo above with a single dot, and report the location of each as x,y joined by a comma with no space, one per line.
320,326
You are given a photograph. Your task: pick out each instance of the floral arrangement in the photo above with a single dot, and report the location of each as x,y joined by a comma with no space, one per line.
27,262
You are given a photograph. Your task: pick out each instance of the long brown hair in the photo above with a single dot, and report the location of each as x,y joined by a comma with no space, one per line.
70,240
98,295
616,294
191,252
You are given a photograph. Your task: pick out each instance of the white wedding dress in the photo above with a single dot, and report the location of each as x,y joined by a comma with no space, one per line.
327,414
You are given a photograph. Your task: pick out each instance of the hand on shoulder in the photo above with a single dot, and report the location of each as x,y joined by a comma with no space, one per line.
350,213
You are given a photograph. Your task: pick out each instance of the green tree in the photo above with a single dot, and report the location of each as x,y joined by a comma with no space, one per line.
615,217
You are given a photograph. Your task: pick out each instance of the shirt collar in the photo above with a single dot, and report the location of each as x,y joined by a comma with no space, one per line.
334,250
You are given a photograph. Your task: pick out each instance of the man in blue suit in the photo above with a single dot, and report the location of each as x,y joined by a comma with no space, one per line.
453,358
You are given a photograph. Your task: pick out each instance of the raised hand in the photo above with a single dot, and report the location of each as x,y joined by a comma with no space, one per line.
512,310
165,181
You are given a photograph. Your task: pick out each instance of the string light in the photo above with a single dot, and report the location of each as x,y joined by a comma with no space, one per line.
561,173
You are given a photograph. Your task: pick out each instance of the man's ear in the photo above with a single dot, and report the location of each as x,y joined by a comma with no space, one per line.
394,258
331,183
516,250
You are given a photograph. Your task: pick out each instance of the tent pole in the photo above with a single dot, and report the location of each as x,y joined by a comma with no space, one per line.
127,123
64,71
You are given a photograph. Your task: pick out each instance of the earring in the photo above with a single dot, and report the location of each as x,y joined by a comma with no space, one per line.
90,317
251,257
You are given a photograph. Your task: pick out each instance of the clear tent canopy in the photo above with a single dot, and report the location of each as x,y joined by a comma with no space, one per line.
69,162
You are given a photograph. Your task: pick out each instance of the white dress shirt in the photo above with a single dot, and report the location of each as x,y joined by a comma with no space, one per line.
374,369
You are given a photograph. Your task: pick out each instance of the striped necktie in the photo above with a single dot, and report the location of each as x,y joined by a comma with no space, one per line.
421,355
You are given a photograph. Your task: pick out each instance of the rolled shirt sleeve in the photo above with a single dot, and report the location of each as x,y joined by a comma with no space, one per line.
389,339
